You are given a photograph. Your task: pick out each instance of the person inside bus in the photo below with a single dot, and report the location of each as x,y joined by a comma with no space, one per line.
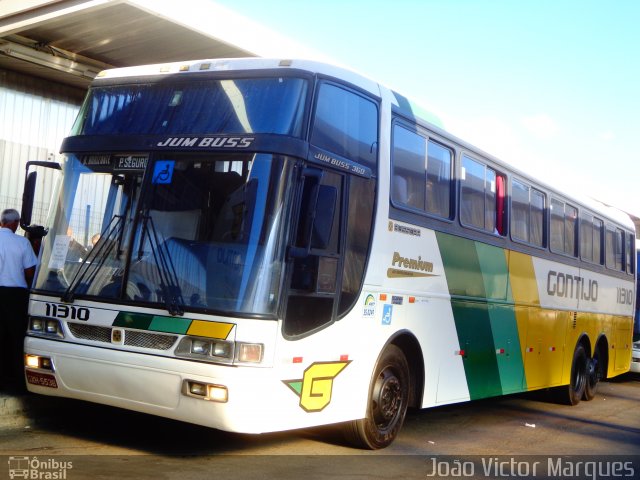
76,251
34,234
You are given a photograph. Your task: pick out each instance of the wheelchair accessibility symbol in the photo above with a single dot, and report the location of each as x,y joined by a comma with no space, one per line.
163,172
387,314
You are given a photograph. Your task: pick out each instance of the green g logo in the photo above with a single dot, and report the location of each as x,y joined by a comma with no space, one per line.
315,387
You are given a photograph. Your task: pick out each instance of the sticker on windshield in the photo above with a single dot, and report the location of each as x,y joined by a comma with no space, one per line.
59,252
163,172
130,162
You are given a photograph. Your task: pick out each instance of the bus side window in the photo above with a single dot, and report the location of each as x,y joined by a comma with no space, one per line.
346,124
409,160
613,248
439,160
527,213
421,173
628,253
520,211
482,197
564,228
590,238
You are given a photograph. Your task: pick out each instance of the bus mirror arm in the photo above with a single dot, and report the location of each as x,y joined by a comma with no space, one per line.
29,193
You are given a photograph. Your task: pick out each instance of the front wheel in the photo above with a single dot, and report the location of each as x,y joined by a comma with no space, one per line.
387,405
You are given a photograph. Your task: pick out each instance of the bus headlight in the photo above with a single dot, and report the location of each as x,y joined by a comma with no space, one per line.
48,327
53,327
37,324
200,347
219,351
207,349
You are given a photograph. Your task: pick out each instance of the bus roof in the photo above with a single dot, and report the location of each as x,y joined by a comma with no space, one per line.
225,64
428,119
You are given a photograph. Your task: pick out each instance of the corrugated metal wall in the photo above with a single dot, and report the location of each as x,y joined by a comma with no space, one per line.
35,115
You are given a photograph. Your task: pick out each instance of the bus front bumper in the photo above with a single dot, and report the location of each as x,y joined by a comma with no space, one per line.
243,399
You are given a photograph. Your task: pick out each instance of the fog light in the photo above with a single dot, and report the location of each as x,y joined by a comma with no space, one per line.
205,391
218,393
250,352
199,389
32,361
45,363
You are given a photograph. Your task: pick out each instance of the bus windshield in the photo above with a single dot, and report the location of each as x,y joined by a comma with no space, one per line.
204,231
255,105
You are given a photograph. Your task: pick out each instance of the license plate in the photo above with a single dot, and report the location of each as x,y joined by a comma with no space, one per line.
42,379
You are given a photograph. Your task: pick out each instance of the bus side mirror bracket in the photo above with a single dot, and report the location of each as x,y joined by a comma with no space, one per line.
29,192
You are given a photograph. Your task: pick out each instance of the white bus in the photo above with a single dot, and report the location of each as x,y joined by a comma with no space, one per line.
282,243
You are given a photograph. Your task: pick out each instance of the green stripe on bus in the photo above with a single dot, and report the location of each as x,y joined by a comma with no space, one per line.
476,339
471,317
170,325
495,272
461,266
155,323
141,321
507,347
482,303
504,327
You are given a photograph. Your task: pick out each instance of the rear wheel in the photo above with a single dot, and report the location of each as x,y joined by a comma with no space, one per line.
595,373
572,393
387,405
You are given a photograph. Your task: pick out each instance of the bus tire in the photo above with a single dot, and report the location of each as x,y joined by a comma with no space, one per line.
572,394
387,404
594,375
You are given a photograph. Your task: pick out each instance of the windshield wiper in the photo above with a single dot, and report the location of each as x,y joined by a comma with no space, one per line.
96,258
169,282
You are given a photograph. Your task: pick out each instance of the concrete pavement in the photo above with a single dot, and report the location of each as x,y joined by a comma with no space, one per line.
22,409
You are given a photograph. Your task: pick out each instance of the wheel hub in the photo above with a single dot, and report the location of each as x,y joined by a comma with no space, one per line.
387,398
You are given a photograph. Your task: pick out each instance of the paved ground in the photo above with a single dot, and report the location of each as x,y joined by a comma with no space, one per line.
103,442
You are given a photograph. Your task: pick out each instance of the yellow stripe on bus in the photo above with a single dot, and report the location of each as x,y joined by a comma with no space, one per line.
210,329
523,279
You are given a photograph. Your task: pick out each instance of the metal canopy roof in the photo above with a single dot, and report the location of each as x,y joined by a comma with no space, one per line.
70,41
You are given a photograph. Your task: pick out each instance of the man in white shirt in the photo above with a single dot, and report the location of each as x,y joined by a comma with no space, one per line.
17,267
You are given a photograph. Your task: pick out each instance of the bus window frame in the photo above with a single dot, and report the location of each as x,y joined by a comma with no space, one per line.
506,220
617,230
353,89
545,214
593,218
576,234
342,211
428,137
629,257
